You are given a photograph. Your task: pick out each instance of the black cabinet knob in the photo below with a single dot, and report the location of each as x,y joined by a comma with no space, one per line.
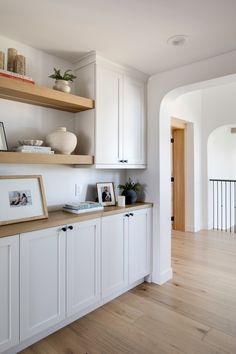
127,215
121,161
131,214
64,229
70,227
126,161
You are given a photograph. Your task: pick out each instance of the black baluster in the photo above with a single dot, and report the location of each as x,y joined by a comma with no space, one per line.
221,204
213,209
217,204
230,204
225,205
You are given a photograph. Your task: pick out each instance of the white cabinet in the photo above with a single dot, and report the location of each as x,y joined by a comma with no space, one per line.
83,265
118,123
114,254
9,292
139,244
108,117
42,280
134,124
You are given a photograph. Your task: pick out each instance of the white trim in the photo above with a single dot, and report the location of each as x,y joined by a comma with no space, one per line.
163,277
95,57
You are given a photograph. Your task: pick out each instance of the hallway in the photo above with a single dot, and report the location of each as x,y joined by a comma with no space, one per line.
195,313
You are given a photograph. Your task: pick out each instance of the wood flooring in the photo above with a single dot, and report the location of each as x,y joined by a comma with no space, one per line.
195,313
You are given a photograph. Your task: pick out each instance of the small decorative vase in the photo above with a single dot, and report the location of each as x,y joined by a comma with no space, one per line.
61,141
62,85
130,197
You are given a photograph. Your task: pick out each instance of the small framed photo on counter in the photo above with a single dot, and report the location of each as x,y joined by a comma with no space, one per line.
3,139
22,199
106,193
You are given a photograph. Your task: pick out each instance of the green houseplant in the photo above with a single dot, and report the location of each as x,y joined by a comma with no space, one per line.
62,80
130,190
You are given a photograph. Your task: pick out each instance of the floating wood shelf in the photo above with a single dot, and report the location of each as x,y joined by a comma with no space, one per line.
12,89
31,158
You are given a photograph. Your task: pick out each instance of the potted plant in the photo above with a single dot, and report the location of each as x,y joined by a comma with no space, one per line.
129,190
62,81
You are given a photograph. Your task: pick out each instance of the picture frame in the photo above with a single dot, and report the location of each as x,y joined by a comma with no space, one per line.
106,193
22,199
3,139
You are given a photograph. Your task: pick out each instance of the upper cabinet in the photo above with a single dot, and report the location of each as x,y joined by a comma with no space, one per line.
115,131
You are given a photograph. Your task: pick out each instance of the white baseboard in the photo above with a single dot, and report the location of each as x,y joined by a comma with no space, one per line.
163,277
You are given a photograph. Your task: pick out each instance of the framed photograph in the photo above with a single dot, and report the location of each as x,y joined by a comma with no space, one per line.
106,194
22,199
3,139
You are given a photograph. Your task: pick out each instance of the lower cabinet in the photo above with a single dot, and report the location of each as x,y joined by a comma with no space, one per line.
42,280
114,254
83,265
139,244
49,275
9,292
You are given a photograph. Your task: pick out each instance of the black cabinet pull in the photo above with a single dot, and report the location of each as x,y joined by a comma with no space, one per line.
70,227
131,214
126,161
122,161
64,229
127,215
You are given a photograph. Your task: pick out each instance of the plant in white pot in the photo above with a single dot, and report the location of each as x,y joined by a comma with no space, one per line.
62,82
129,190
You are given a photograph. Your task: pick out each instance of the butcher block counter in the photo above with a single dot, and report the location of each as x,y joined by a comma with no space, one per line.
58,218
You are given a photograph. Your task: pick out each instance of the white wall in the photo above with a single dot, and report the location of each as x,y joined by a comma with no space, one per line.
24,121
222,153
162,89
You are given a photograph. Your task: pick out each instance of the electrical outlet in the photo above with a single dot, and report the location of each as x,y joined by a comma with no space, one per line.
78,189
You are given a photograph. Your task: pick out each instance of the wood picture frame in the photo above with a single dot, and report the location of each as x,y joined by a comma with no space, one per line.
106,193
22,199
3,138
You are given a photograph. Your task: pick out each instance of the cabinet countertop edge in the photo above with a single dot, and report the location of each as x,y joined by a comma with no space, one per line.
58,218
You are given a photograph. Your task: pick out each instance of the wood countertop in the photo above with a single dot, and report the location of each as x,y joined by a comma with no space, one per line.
58,218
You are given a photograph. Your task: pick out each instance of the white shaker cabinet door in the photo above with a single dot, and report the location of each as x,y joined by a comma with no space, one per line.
134,122
108,113
42,280
114,254
139,244
83,265
9,292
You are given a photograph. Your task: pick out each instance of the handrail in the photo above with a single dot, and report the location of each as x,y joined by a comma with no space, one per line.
222,180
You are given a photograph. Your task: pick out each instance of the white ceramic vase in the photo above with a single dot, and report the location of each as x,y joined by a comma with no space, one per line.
62,85
61,141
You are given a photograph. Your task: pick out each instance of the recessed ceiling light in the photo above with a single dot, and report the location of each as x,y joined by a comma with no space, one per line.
178,40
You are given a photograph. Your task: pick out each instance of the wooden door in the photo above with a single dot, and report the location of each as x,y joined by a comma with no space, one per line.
178,190
134,129
83,265
42,280
114,254
108,116
9,292
139,244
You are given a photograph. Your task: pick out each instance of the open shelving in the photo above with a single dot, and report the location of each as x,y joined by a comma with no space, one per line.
12,89
36,158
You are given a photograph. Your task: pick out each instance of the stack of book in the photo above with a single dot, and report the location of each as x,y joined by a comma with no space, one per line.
15,76
34,149
83,207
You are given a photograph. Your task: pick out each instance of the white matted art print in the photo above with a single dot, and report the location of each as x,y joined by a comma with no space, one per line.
22,199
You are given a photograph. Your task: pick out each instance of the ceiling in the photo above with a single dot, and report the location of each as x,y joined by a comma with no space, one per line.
132,32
